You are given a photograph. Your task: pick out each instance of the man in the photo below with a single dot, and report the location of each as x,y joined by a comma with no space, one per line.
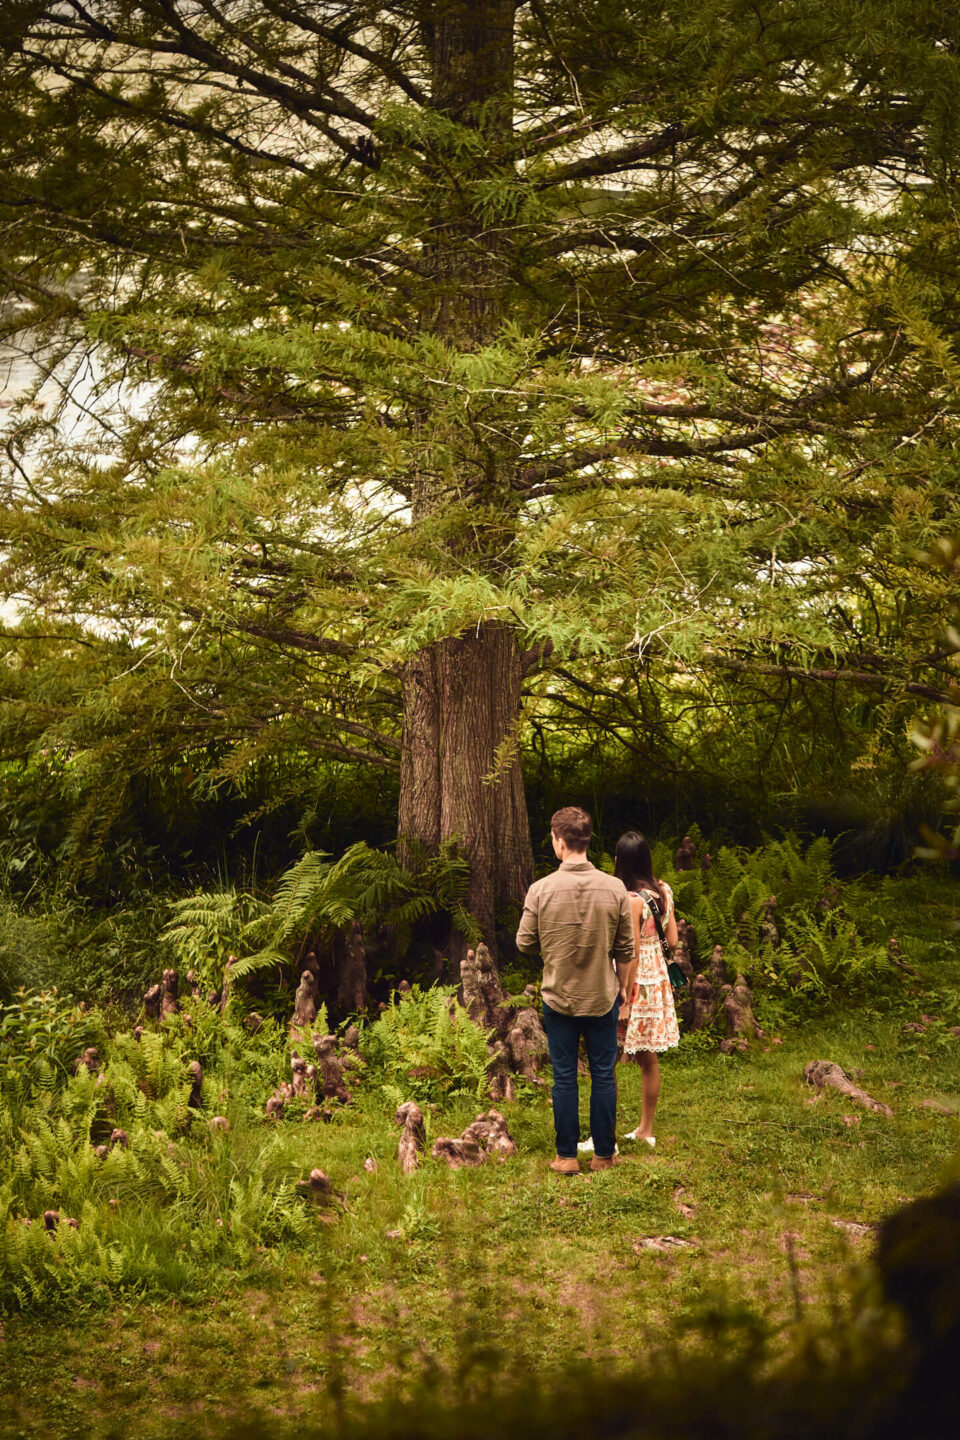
578,918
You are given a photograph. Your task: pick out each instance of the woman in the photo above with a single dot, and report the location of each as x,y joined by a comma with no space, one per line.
649,1022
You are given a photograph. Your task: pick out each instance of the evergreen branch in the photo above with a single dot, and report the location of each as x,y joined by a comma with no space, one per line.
615,729
535,658
558,130
286,638
348,752
538,478
172,118
377,736
242,37
559,56
248,400
387,67
612,161
839,674
766,163
88,228
322,98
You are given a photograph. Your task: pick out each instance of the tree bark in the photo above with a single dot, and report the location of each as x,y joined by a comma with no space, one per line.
350,958
472,83
460,775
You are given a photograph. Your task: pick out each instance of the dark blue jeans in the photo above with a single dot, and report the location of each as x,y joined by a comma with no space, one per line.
600,1037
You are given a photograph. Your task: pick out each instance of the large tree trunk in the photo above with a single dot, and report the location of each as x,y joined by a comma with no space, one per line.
460,770
460,766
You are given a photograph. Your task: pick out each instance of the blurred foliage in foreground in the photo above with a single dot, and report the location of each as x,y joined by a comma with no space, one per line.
862,1379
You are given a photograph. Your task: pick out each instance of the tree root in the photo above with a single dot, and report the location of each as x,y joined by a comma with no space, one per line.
317,1188
305,1004
350,954
315,1083
169,1001
194,1099
300,1078
491,1132
825,1074
458,1153
682,952
331,1083
414,1136
227,980
488,1135
519,1043
769,933
53,1218
738,1011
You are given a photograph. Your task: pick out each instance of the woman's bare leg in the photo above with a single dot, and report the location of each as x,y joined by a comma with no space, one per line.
650,1090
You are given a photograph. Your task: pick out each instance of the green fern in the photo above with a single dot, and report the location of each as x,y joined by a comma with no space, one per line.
425,1046
317,896
208,927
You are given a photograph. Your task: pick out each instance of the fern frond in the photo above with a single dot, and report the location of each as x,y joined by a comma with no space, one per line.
259,960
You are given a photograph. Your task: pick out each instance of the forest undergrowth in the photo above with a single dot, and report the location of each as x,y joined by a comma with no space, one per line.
201,1278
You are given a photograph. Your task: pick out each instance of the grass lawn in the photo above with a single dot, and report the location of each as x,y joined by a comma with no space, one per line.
769,1185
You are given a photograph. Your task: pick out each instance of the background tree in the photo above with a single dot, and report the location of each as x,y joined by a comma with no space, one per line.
431,350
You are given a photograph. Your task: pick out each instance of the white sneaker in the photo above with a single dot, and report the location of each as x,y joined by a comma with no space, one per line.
587,1147
650,1140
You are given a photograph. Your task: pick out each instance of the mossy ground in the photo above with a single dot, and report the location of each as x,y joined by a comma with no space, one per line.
760,1174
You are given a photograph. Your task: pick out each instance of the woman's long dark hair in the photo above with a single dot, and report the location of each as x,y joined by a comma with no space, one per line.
633,864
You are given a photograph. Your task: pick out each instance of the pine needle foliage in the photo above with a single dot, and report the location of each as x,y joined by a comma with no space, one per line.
644,351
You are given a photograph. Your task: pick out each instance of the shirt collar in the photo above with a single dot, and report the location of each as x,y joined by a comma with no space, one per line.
583,864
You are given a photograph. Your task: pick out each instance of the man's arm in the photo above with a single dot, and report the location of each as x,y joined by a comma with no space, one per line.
624,949
528,935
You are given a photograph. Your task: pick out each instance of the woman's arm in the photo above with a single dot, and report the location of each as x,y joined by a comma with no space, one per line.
670,931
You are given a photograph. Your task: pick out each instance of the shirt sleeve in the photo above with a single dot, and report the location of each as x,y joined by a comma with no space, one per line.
528,934
624,942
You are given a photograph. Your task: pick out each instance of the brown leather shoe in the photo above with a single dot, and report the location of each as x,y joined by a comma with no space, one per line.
565,1165
603,1162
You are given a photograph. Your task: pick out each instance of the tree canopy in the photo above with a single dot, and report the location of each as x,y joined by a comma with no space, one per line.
409,376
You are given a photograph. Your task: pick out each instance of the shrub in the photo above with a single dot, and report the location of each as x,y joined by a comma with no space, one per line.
313,900
54,939
40,1037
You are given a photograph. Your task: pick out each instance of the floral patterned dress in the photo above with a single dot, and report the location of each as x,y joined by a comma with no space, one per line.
652,1023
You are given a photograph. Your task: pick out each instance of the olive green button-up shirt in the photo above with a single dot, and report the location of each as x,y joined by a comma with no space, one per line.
578,918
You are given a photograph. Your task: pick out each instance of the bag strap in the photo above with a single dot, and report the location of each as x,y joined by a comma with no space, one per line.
653,905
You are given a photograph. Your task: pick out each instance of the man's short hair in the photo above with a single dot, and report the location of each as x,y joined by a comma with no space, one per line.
572,825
